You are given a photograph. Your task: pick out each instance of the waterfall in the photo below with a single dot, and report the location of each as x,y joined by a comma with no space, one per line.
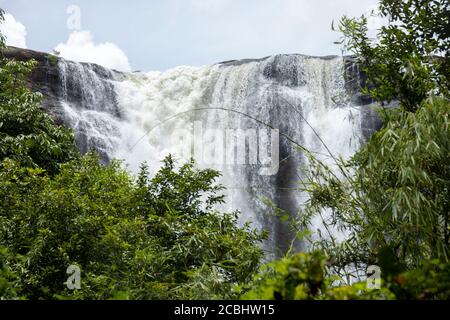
239,117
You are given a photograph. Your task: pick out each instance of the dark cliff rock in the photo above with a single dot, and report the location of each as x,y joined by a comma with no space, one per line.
45,77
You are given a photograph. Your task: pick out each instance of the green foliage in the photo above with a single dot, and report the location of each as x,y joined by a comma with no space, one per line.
409,60
405,168
28,135
201,244
53,59
391,200
304,276
430,281
171,190
9,280
393,203
297,277
125,241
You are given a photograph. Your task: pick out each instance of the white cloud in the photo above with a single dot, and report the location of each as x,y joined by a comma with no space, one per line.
81,47
14,31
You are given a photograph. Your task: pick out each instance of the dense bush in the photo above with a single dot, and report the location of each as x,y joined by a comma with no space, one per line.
9,280
305,276
395,194
130,238
27,134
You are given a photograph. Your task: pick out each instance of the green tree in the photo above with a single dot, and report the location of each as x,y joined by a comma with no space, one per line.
127,244
27,134
9,280
304,276
392,200
409,60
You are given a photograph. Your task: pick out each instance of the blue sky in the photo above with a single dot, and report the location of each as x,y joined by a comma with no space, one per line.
160,34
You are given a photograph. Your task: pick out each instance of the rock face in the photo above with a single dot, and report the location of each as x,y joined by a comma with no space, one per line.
45,77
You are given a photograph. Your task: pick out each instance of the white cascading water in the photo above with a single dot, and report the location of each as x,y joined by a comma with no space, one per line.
210,113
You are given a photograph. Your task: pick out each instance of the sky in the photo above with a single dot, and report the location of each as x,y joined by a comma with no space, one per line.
161,34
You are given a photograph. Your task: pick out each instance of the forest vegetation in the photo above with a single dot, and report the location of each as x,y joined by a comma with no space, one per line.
161,236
